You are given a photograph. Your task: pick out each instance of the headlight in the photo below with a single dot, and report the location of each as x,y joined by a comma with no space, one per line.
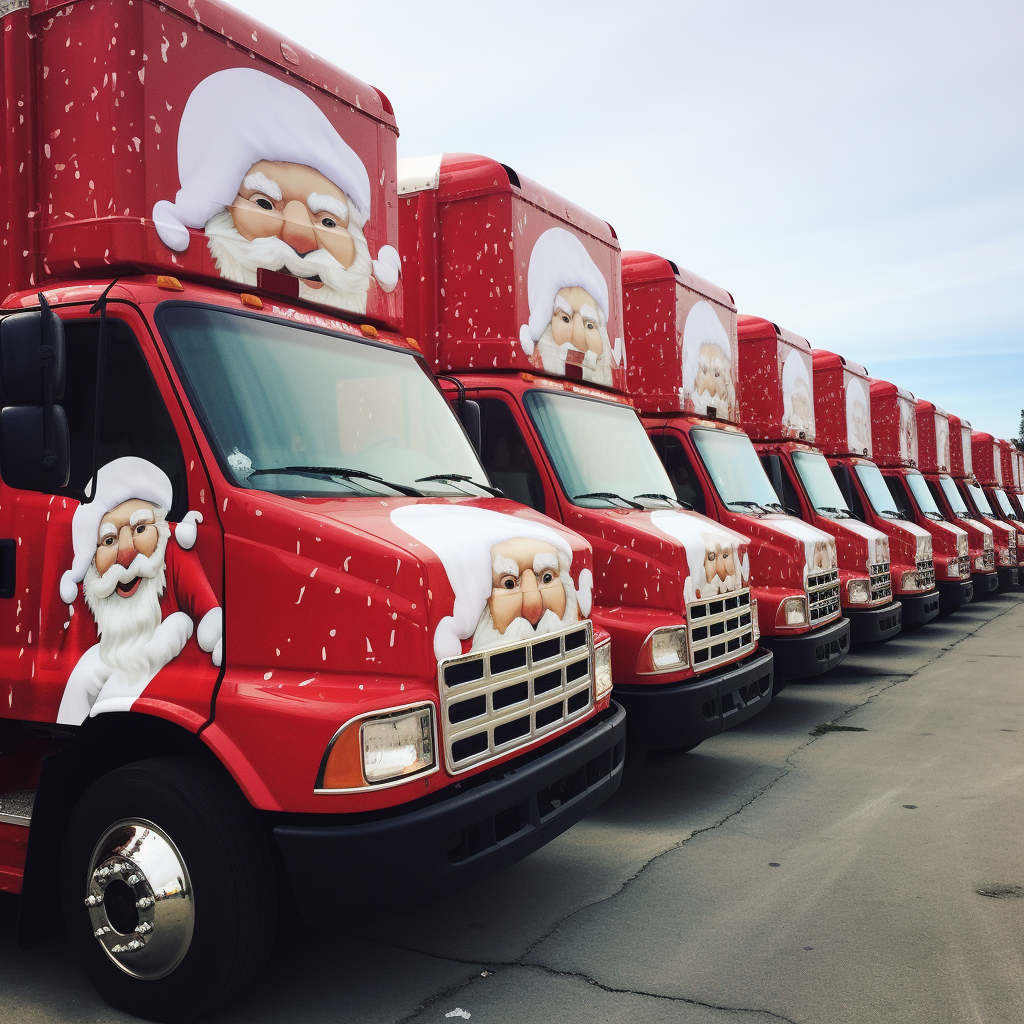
1006,556
953,568
664,651
381,749
979,562
792,612
908,581
602,670
858,591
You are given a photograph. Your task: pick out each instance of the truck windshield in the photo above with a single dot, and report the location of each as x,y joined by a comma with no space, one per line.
954,497
304,412
1004,504
876,489
816,476
925,502
600,450
980,501
735,470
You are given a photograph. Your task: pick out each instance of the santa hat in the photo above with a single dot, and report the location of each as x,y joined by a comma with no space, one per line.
702,327
559,260
118,481
232,120
462,538
695,532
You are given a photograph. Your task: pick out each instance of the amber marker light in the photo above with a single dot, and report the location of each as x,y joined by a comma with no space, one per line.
368,330
169,284
252,301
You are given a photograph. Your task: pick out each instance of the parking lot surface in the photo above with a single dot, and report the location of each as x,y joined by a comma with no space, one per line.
787,870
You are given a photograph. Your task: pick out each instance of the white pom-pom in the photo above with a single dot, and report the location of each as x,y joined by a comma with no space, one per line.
387,267
185,531
446,641
68,588
526,339
619,351
168,226
585,591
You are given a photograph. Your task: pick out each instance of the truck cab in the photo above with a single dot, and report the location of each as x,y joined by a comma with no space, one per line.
1009,495
519,310
895,446
251,633
985,496
776,396
842,417
682,376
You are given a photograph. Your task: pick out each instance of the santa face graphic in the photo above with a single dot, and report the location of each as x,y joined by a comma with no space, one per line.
797,396
281,192
137,588
568,296
720,569
908,432
531,593
824,556
942,442
707,364
858,421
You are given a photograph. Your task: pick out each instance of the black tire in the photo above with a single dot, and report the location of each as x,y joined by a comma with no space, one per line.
230,875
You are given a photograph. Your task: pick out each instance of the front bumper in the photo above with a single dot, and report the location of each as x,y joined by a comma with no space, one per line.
872,625
953,595
339,868
809,654
919,608
684,714
1008,576
985,584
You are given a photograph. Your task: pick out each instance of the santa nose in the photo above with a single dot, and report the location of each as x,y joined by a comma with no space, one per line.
579,332
533,604
125,548
297,230
720,567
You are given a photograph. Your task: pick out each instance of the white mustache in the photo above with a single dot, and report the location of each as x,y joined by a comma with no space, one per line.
140,565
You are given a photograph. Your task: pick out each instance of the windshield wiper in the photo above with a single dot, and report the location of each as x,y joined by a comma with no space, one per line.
751,504
935,517
461,478
839,513
773,505
340,471
609,496
893,513
664,497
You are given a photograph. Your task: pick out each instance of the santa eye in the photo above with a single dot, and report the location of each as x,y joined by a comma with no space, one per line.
262,202
108,540
547,576
141,528
565,318
590,325
508,582
328,222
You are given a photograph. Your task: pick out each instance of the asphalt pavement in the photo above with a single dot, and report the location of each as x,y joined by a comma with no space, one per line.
788,870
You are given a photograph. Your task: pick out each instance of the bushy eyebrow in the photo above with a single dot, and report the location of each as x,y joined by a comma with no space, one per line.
588,310
107,529
544,561
317,203
502,566
259,182
141,515
563,305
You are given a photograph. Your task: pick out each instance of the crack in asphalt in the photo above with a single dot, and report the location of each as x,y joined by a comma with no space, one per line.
521,962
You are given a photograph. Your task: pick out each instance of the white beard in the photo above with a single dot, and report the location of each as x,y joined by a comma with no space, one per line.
596,368
704,400
127,624
720,586
487,636
239,259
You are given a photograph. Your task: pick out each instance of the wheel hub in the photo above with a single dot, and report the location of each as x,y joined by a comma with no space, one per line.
139,899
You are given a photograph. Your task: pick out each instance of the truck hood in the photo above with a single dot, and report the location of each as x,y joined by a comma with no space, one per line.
662,558
813,550
386,586
862,545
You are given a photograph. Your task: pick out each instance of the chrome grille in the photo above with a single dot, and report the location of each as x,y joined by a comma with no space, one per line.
881,582
495,701
823,594
925,574
720,629
965,566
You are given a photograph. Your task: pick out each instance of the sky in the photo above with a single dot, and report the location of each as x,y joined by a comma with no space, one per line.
853,172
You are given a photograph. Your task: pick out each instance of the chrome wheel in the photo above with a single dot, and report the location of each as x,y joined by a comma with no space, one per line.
139,898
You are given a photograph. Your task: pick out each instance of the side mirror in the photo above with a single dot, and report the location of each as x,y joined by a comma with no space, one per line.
470,416
34,439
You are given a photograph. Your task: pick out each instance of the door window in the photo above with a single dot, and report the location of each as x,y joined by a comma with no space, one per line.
506,456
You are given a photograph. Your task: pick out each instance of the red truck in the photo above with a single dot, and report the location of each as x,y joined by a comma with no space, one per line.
252,625
894,439
842,418
1012,466
682,375
984,494
777,407
519,306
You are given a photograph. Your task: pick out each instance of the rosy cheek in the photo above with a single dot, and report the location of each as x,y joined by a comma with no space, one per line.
561,332
145,543
339,243
105,558
554,597
505,607
253,221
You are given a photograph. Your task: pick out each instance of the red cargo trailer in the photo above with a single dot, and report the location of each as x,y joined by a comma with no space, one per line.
249,621
894,442
682,375
519,308
777,410
842,417
985,496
